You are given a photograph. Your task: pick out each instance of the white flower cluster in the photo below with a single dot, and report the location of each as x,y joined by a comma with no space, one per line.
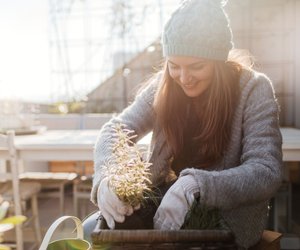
128,172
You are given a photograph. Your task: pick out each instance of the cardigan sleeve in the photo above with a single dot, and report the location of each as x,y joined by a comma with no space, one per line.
259,173
137,117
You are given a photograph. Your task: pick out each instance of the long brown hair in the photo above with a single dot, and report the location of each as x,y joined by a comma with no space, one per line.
214,110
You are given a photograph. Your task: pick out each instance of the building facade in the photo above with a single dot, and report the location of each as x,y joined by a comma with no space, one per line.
268,29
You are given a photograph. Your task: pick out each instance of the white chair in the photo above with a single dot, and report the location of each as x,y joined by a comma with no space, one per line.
82,187
81,195
16,191
53,184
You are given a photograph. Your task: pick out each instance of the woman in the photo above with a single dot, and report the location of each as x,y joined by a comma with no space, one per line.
215,129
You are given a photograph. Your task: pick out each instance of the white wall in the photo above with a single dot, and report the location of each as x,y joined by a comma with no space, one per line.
73,121
270,30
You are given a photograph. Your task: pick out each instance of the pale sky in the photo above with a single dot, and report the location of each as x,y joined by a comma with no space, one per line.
24,60
25,53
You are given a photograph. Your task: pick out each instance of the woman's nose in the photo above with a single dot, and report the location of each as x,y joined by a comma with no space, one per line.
185,76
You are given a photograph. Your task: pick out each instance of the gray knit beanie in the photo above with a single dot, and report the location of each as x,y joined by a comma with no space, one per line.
198,28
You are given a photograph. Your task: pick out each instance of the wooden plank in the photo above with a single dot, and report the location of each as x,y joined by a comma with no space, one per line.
82,168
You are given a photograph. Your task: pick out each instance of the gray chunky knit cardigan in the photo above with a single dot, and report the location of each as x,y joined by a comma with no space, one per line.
242,183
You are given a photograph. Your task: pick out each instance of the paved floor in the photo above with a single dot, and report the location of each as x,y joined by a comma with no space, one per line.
49,212
49,208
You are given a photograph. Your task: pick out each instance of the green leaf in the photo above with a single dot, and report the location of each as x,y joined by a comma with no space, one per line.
2,247
15,220
201,217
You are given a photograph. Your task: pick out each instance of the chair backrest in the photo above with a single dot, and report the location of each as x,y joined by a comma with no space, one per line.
8,153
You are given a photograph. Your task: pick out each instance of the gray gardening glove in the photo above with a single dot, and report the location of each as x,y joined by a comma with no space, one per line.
111,207
175,204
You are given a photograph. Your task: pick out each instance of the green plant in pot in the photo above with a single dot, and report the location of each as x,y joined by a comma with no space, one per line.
202,217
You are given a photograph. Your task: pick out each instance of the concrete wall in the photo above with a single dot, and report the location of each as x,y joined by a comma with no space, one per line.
270,29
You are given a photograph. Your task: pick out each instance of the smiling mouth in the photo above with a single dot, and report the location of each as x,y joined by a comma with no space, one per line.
189,85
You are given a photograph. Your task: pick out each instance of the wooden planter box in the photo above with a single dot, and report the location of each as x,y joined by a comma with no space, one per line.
159,239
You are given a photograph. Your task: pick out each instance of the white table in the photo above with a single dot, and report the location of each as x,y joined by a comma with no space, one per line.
60,145
57,145
77,145
291,144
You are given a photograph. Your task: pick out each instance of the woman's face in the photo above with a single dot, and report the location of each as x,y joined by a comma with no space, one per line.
192,74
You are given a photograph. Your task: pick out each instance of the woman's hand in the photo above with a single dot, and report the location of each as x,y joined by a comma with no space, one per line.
174,206
111,207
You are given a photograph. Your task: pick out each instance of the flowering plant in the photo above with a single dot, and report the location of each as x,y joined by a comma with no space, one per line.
128,172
